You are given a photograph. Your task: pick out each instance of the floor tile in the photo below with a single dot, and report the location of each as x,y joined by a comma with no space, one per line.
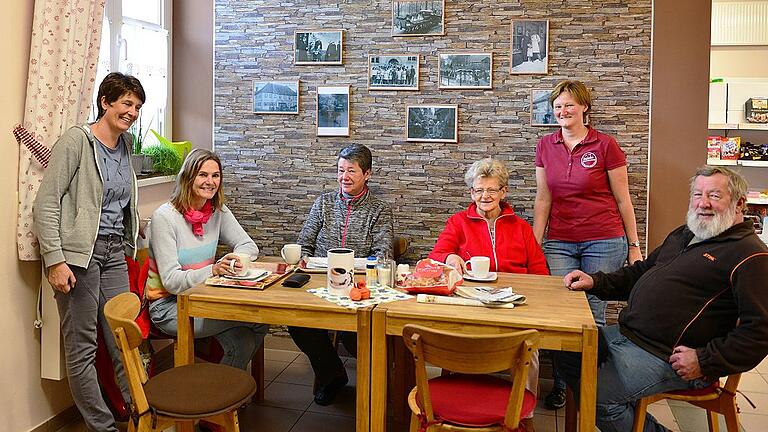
753,382
762,367
273,368
753,422
759,399
297,373
663,414
316,422
302,358
291,396
266,418
693,419
280,355
545,423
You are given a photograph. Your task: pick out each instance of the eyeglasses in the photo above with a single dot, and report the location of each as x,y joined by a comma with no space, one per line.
490,191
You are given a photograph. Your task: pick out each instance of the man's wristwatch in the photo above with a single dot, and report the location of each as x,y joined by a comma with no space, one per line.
634,244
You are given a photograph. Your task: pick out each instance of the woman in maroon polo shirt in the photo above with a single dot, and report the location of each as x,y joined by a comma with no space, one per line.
582,200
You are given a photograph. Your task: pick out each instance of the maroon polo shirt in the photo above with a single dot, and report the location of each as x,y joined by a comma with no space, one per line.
583,206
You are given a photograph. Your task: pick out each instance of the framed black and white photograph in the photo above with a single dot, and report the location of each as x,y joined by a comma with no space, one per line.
333,111
276,97
418,18
465,70
432,123
393,72
530,47
318,47
541,110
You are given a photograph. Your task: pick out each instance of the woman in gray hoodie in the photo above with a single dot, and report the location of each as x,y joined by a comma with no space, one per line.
86,222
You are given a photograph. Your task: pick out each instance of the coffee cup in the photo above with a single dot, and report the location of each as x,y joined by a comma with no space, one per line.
341,269
245,261
480,265
291,253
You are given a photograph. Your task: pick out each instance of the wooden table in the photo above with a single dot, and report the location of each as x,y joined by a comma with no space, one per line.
279,305
562,316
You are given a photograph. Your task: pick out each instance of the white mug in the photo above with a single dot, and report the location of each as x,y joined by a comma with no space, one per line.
341,271
480,266
245,260
291,253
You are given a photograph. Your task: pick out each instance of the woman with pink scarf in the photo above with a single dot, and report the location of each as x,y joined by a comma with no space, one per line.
184,234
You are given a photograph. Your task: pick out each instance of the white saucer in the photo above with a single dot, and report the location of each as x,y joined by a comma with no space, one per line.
252,274
492,276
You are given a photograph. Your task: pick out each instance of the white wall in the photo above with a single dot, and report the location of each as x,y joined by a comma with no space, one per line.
25,399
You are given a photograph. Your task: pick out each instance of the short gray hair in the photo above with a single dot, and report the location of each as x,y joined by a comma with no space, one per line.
737,186
487,167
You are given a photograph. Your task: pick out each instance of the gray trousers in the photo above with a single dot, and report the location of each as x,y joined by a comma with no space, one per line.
81,309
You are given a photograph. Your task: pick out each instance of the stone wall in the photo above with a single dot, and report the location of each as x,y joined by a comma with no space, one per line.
275,165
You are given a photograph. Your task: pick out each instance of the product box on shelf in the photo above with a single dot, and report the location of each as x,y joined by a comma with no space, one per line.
713,149
754,152
756,110
729,148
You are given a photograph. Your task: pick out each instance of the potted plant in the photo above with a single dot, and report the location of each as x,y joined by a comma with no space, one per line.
137,157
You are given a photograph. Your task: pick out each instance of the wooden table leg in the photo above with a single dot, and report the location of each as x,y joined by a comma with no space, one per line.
185,339
184,347
379,370
404,380
588,384
363,402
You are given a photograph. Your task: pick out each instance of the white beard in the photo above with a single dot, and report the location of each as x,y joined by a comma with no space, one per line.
704,229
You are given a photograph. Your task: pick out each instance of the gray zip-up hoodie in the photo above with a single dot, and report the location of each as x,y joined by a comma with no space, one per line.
68,205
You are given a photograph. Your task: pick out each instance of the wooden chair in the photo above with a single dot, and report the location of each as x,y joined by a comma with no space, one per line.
470,399
715,399
181,395
399,247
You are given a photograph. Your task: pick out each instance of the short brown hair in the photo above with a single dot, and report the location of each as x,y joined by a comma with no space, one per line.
181,197
577,89
116,85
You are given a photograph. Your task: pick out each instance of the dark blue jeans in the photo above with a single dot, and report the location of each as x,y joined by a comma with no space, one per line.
627,374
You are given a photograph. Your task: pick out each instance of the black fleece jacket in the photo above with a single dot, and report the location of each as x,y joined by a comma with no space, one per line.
711,296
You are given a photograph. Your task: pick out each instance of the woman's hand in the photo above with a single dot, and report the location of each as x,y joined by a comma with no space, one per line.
227,265
456,262
61,277
634,255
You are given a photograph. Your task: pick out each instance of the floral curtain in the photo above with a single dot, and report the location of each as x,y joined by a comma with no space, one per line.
64,53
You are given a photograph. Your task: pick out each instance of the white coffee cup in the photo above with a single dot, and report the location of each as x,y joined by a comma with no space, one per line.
480,265
341,270
245,261
291,253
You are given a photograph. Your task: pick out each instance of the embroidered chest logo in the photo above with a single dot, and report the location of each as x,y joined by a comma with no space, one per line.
710,257
588,160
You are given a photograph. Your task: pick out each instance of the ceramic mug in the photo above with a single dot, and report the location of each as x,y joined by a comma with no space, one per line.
291,253
245,261
480,265
341,269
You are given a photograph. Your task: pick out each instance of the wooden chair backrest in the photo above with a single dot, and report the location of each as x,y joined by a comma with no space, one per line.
121,311
399,247
472,354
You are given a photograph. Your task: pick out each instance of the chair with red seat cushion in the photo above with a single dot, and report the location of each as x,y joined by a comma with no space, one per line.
715,399
470,399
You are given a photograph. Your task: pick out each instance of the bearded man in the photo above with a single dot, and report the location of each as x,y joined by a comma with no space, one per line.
697,306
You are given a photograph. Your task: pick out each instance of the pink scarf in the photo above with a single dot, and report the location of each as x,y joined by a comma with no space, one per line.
197,218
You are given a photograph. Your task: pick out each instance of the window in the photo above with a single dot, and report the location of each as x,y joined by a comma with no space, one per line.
136,40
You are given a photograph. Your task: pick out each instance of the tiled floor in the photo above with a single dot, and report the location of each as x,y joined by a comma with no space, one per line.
288,405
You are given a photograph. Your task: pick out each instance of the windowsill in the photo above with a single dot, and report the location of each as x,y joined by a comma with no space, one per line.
150,180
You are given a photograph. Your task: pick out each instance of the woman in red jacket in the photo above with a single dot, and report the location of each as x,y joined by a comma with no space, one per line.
489,227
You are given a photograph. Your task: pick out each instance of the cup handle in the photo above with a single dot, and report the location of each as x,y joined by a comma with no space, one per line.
282,253
466,264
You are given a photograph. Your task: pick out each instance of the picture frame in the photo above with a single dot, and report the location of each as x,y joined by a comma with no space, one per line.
276,97
465,70
332,104
432,123
318,47
393,72
541,110
413,18
529,47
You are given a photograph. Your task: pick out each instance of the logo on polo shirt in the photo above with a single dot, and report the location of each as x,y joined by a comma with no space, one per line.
588,160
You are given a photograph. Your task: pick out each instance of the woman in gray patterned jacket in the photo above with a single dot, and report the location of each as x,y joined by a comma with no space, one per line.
353,218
